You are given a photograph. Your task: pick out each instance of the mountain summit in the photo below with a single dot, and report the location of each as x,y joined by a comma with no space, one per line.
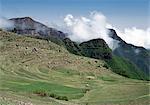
27,25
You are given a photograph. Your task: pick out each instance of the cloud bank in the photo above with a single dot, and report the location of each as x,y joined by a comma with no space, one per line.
84,29
135,36
95,26
5,23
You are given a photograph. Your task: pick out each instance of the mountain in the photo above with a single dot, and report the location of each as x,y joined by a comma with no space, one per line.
137,55
95,48
40,72
98,49
27,25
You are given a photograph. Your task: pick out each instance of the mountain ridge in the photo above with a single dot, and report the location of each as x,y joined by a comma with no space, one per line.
27,25
60,38
138,55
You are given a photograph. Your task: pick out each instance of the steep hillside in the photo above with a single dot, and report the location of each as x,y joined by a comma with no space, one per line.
126,68
98,49
137,55
39,72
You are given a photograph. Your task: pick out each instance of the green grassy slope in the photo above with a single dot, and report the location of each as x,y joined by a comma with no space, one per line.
38,72
97,48
125,68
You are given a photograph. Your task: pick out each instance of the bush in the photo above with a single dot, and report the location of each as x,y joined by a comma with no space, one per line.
65,98
98,66
52,95
58,97
106,66
14,30
89,62
62,98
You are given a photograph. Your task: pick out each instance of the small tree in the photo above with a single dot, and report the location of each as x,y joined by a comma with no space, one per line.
14,30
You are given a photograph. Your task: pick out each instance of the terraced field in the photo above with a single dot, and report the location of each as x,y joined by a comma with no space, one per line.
38,72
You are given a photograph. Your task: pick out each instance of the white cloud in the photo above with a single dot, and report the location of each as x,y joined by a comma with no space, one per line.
84,29
69,20
135,36
95,26
4,23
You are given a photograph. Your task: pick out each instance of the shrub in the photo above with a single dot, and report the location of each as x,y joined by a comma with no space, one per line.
89,62
14,30
58,97
52,95
106,66
65,98
62,98
98,66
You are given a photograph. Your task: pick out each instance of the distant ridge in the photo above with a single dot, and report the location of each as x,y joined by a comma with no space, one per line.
26,25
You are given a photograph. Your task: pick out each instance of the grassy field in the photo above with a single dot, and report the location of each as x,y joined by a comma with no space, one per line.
38,72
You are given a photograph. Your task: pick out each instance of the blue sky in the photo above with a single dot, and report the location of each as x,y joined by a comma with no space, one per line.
120,13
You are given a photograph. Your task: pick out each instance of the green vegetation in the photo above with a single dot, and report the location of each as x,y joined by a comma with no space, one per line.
125,68
106,65
39,72
72,47
97,48
43,93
